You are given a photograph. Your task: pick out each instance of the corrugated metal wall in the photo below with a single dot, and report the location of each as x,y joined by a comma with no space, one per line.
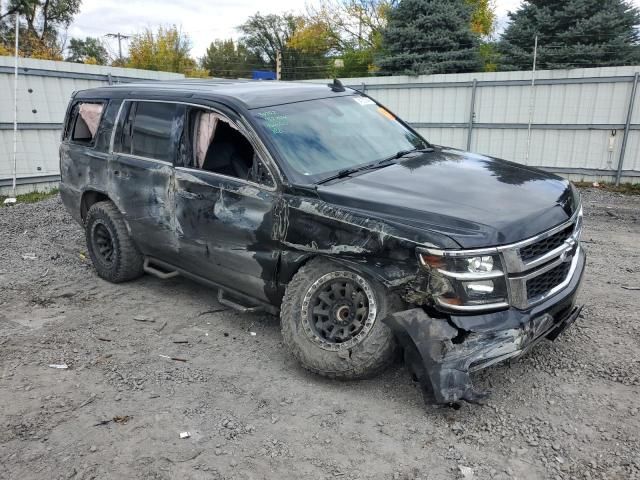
577,130
44,89
577,125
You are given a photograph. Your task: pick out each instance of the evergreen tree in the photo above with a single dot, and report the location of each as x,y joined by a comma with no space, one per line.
430,36
571,34
228,59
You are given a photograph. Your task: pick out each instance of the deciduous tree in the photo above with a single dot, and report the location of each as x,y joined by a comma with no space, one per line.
90,50
266,35
347,32
165,50
41,23
483,16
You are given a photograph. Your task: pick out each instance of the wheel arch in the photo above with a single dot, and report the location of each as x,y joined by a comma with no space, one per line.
89,197
388,272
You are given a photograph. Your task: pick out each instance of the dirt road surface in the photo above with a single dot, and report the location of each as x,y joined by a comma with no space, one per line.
568,410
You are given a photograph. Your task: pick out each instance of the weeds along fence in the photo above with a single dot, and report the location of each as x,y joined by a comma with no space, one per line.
44,89
585,123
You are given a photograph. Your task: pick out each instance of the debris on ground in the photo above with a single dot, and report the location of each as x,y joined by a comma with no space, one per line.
59,366
465,472
185,434
120,419
173,358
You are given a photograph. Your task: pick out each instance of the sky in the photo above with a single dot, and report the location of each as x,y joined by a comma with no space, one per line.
203,20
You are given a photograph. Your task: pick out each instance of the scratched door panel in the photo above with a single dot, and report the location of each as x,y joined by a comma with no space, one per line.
225,231
141,188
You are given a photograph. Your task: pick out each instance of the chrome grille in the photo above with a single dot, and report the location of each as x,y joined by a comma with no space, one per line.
546,245
545,282
541,266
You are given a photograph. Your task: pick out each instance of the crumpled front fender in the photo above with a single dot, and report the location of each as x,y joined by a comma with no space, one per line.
441,356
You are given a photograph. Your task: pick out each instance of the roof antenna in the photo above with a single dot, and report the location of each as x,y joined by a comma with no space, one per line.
336,86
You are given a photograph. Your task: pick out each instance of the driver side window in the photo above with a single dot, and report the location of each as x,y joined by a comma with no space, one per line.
212,144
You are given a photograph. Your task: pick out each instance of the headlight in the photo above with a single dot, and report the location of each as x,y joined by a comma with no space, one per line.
577,231
465,282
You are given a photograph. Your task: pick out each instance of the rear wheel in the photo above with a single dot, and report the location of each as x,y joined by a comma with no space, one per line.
112,251
331,320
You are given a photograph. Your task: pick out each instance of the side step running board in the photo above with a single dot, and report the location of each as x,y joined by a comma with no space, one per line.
158,273
165,271
237,306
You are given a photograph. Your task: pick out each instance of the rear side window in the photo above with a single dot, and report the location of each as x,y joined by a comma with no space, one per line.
84,121
147,130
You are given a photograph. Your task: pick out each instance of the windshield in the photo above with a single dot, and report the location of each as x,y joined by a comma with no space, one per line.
318,138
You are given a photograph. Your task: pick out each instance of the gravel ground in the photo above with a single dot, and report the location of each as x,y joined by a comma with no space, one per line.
568,410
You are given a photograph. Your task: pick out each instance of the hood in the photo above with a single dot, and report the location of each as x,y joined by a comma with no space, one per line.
477,201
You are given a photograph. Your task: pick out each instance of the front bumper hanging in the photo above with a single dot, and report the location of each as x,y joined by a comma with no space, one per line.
442,352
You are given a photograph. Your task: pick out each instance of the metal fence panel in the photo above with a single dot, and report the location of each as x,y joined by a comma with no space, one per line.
44,90
578,122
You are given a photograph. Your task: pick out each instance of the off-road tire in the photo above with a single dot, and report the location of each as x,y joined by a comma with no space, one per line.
127,261
369,357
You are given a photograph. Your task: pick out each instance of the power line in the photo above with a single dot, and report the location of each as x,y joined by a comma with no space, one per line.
120,37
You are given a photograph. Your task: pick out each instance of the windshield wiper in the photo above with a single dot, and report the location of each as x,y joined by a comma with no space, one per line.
404,153
350,171
375,165
341,174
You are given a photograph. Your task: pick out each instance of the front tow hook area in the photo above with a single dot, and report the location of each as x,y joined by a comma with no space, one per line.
441,357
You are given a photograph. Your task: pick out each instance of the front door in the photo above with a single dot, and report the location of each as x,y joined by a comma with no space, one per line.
225,201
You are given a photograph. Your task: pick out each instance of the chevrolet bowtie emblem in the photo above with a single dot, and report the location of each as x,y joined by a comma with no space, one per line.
567,253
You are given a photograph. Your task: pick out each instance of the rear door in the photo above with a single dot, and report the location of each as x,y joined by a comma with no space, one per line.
225,198
141,172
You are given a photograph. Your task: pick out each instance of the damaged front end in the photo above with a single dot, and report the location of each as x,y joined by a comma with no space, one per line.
473,309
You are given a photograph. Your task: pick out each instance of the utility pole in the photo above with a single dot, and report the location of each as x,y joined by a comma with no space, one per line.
12,199
532,98
279,65
360,27
120,37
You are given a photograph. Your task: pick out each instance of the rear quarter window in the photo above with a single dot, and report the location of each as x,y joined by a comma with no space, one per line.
84,122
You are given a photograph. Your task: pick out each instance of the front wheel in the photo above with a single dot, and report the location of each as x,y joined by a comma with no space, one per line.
331,319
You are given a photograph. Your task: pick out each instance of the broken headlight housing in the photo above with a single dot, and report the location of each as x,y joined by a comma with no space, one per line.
466,281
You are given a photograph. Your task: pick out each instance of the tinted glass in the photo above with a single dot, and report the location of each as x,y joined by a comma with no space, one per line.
125,132
318,138
84,121
151,132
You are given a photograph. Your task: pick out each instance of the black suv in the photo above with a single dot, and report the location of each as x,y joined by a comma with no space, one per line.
318,203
